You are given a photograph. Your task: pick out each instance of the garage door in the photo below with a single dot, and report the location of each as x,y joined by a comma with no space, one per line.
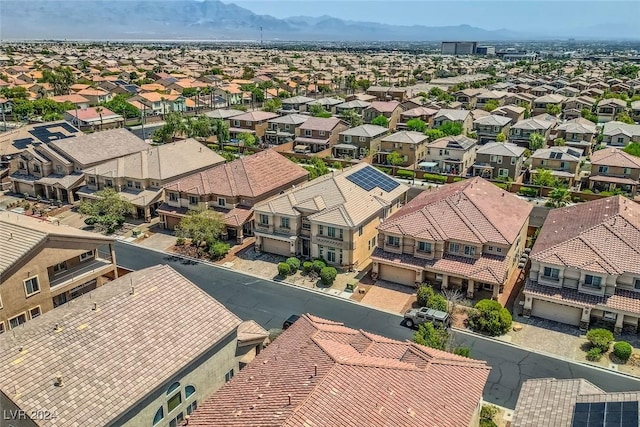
274,246
557,312
395,274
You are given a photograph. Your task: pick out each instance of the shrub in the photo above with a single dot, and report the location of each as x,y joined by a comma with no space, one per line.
622,350
427,297
230,149
490,317
432,177
385,170
318,265
218,250
307,266
284,269
328,275
431,336
502,185
601,338
594,354
458,179
405,173
336,165
294,263
462,351
528,191
180,241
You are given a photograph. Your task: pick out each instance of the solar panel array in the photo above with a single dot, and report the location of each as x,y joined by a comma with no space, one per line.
43,134
606,414
369,178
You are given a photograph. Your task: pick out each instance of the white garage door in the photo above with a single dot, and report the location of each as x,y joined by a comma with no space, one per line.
559,313
273,246
395,274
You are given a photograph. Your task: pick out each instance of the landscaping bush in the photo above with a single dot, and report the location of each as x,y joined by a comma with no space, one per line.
622,350
405,173
528,191
490,317
294,263
462,351
458,179
502,185
230,149
307,266
328,275
385,170
432,177
218,250
318,265
180,241
337,165
594,355
601,338
427,297
284,269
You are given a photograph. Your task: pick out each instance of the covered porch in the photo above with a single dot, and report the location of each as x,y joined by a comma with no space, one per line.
278,137
342,151
452,166
432,167
484,170
610,183
315,145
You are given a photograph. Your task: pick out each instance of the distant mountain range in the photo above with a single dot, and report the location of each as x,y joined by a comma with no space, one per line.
202,20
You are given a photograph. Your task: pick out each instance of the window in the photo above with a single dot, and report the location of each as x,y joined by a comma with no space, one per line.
321,133
36,168
87,255
373,241
503,172
31,285
59,169
60,267
178,419
620,140
1,327
469,250
592,281
264,219
34,312
192,407
17,321
248,123
513,160
454,248
22,165
551,273
490,248
424,247
627,171
228,376
360,231
331,255
284,223
362,139
108,183
563,165
320,230
193,200
236,123
393,241
320,251
188,391
174,401
347,138
306,225
173,197
331,232
138,186
173,387
499,250
159,416
92,180
129,184
636,286
307,132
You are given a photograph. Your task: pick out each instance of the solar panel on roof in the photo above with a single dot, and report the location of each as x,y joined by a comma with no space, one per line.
369,178
606,414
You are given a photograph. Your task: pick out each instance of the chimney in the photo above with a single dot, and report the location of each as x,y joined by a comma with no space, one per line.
56,328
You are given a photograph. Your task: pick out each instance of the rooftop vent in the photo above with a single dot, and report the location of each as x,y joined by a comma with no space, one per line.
59,381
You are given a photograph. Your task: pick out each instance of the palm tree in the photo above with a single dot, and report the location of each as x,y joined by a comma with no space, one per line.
559,197
99,110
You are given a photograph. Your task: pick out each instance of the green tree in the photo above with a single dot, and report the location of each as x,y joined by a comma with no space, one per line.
272,105
248,73
174,125
633,149
431,336
107,212
247,140
203,227
380,121
624,118
221,131
588,114
416,125
352,117
13,93
501,137
451,128
490,317
395,159
189,92
560,142
319,111
491,105
559,197
544,177
434,134
61,78
199,127
427,297
119,105
554,109
536,141
23,108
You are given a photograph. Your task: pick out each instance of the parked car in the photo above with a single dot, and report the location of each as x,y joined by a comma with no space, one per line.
418,316
290,321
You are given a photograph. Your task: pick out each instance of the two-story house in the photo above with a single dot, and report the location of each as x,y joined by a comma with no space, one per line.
585,265
612,168
320,133
514,112
412,146
139,177
488,127
386,93
232,189
327,103
94,118
360,141
487,96
468,97
281,130
333,217
618,134
467,235
542,103
295,104
452,154
499,160
608,109
389,109
564,163
44,265
578,133
635,111
520,132
463,117
573,106
425,114
356,105
95,95
253,122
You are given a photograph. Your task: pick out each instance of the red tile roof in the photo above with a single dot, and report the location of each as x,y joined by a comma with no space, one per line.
91,113
251,176
621,300
615,157
474,210
320,373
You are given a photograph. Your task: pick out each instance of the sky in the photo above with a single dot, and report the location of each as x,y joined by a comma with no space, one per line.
541,16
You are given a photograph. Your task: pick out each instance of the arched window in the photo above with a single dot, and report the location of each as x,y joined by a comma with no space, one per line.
188,391
173,387
159,416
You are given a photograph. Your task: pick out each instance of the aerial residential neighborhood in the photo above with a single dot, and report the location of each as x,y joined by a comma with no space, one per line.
220,214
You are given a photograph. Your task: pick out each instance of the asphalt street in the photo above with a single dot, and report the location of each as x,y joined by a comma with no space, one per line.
270,303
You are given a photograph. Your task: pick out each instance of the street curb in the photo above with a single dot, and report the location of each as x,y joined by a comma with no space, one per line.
255,276
544,353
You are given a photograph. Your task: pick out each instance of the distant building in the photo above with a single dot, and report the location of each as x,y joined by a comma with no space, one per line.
486,50
458,48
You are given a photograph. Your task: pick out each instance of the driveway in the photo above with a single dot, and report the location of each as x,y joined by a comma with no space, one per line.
389,296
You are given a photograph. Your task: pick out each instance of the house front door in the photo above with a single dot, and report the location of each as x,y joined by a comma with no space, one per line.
305,247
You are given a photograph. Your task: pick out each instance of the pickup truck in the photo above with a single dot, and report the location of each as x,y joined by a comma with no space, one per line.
418,316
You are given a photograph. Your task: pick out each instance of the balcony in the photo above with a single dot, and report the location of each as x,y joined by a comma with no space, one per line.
82,272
